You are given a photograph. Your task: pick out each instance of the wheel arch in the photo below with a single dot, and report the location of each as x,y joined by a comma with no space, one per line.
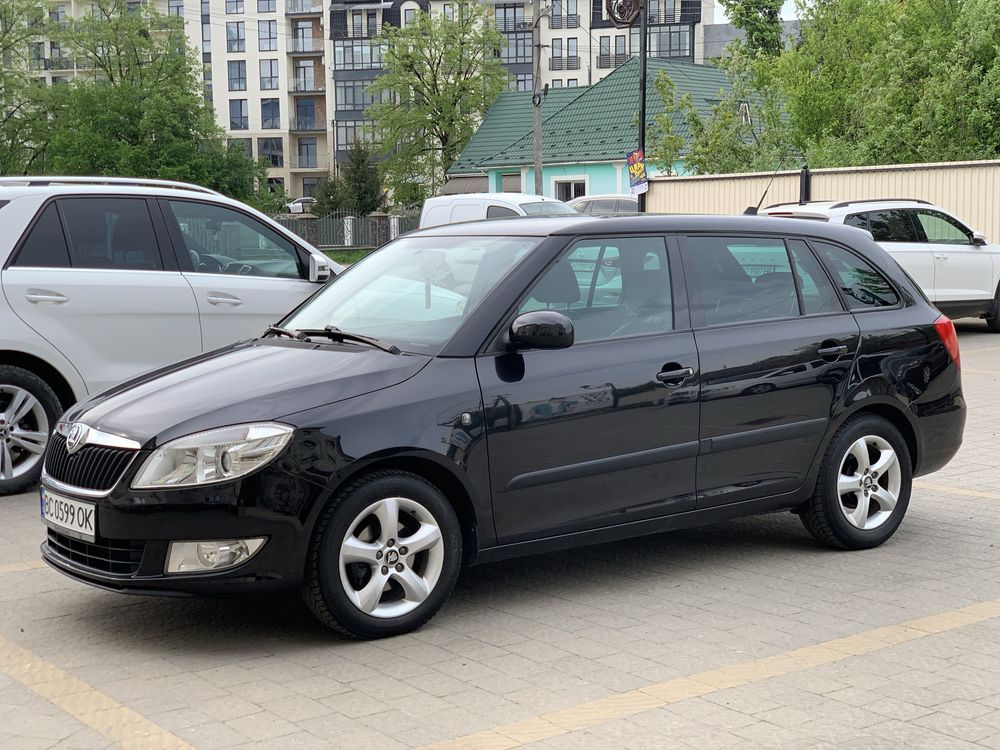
47,372
888,410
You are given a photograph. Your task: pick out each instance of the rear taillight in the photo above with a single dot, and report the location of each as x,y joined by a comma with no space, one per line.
946,330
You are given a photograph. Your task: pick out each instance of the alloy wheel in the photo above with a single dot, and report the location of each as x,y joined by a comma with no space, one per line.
869,482
391,557
24,432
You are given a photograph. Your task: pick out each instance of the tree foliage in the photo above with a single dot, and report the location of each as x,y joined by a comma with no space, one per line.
440,75
21,113
360,183
760,21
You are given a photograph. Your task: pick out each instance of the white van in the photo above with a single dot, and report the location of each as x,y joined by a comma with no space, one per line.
451,209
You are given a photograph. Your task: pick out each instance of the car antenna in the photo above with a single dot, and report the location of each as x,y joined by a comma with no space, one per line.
752,210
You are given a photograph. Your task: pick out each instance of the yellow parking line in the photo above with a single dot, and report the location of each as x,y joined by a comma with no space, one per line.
623,705
121,725
20,567
955,490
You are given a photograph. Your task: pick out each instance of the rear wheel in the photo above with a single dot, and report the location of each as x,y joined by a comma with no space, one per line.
385,556
863,488
29,409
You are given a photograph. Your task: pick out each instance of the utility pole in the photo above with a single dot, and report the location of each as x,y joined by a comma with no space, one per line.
643,34
536,88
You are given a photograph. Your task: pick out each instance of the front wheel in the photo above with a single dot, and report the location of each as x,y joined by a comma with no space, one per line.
28,411
385,556
993,322
863,488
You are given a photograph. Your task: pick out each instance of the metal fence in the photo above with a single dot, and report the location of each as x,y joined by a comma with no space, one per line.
343,230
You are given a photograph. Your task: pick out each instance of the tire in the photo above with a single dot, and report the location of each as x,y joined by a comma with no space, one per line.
993,321
24,434
845,519
351,553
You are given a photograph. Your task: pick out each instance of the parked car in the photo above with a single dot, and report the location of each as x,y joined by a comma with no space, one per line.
956,267
605,205
452,209
301,205
103,279
357,459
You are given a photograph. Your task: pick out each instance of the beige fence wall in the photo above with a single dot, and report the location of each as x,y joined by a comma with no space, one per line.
971,190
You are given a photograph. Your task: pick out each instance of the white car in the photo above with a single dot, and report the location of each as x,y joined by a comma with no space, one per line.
104,278
301,205
605,205
956,267
452,209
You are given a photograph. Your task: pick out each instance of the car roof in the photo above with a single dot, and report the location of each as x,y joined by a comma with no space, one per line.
604,196
513,197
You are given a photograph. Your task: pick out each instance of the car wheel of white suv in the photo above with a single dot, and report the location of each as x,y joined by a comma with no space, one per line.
28,411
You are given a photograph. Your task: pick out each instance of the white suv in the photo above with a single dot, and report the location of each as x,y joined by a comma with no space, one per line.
954,265
102,279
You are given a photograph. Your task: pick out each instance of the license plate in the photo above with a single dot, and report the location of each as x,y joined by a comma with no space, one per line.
71,517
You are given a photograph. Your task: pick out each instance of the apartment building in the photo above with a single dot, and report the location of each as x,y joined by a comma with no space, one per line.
288,79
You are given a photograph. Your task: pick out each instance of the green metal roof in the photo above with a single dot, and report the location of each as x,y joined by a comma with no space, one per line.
504,123
597,124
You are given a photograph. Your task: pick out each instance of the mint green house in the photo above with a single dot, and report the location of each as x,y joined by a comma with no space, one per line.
587,133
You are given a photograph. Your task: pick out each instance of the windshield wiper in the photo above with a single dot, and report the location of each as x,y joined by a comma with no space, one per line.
335,333
297,335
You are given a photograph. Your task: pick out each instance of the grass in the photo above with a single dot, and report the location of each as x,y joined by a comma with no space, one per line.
348,255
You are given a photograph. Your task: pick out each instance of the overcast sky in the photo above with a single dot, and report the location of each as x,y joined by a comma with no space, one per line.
787,11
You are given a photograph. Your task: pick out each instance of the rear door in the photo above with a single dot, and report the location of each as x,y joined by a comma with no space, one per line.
244,274
962,271
92,279
776,347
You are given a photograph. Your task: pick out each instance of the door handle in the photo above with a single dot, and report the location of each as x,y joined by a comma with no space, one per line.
832,353
219,298
41,296
673,378
940,257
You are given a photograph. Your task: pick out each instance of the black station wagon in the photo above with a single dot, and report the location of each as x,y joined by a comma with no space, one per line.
473,392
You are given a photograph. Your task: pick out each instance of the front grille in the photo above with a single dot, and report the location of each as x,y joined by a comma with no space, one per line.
120,557
93,467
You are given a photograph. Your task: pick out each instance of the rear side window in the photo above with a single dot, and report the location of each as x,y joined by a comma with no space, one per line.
863,286
500,212
114,233
892,225
603,206
45,246
818,294
857,220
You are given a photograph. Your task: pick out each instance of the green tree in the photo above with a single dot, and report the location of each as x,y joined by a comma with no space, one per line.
760,21
361,187
21,111
664,145
329,196
440,75
137,109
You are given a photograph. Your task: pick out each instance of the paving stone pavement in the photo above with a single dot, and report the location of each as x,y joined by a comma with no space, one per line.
529,637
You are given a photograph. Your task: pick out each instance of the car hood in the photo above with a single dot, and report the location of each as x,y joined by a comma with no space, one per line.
251,381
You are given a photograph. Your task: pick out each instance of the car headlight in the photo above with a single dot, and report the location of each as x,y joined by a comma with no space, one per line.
213,456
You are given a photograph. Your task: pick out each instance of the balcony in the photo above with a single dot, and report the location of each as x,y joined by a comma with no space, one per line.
38,63
565,22
358,32
509,25
307,86
308,163
611,61
303,8
306,125
359,54
305,46
61,62
564,63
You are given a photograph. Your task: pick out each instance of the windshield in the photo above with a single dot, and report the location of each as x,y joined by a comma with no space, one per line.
414,292
547,208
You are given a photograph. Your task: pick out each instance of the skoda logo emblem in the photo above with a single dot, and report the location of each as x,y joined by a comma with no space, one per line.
76,438
391,557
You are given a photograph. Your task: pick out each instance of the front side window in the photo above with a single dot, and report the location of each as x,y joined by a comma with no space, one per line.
414,292
111,233
610,288
892,225
862,285
221,240
941,229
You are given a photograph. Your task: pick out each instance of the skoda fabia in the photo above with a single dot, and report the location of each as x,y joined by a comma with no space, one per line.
474,392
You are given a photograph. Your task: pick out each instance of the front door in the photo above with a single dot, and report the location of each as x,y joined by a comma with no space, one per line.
962,271
604,432
776,350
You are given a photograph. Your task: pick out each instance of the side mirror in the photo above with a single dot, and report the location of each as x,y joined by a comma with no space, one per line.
542,329
978,238
319,270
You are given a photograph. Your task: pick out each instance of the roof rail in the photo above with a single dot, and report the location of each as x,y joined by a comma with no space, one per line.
124,181
843,204
792,203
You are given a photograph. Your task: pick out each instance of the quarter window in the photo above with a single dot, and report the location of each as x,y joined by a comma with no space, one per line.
45,247
112,233
815,288
892,225
942,229
500,212
862,285
609,288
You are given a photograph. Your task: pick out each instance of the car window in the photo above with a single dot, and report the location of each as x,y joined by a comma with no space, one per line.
603,206
815,287
500,212
628,205
610,288
942,229
547,208
863,286
741,279
892,225
857,220
112,233
45,246
221,240
583,207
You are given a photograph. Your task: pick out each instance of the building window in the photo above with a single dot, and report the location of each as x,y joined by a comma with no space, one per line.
274,184
268,75
175,7
449,11
518,49
236,36
571,83
570,189
305,76
307,153
572,15
309,186
572,51
351,131
353,94
206,38
372,24
271,150
267,33
605,46
556,83
270,114
234,6
408,15
349,54
267,6
237,75
239,114
556,20
509,17
557,46
521,82
244,143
